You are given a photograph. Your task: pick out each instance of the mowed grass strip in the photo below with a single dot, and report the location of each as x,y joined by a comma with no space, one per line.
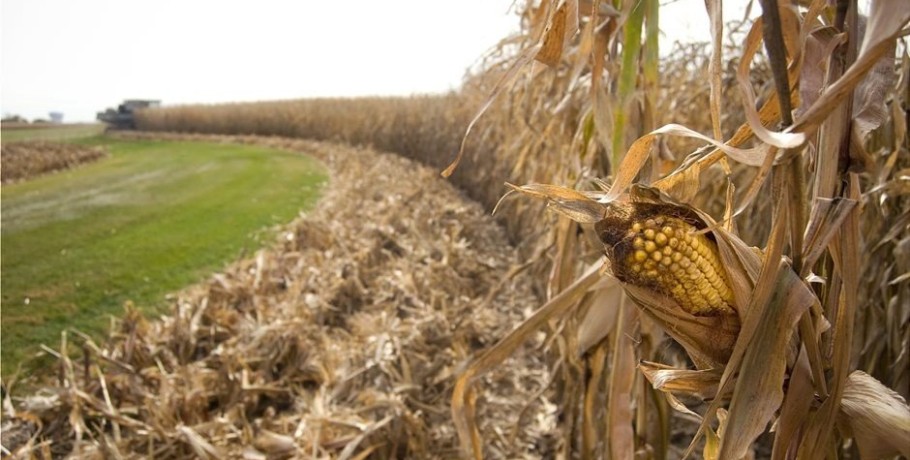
153,218
49,132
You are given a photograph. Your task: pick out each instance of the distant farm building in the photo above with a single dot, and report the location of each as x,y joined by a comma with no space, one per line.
56,117
123,116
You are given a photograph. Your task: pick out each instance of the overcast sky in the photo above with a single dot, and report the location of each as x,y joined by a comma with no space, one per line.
81,56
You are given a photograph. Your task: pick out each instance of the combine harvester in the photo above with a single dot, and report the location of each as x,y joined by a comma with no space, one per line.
122,118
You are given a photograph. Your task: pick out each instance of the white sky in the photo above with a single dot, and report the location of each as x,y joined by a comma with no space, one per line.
81,56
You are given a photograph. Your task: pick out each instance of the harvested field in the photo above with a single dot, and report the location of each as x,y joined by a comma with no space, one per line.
18,132
341,341
783,143
27,159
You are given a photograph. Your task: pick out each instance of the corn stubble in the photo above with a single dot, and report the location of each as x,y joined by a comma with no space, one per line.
27,159
793,314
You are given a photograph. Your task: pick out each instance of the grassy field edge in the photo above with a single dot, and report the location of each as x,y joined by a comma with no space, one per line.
155,217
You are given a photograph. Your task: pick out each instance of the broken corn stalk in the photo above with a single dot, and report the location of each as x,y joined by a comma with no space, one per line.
660,247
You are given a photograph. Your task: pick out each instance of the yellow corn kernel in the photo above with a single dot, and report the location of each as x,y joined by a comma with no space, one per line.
667,253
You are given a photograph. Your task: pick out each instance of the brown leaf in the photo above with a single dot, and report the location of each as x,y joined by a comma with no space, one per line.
795,408
780,139
698,383
759,389
600,318
886,21
878,417
571,203
869,109
621,434
819,46
554,36
504,82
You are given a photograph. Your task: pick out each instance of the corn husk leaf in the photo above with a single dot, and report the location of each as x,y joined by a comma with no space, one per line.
600,318
698,383
877,417
708,340
562,26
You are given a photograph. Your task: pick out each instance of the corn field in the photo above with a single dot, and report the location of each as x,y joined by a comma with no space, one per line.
718,237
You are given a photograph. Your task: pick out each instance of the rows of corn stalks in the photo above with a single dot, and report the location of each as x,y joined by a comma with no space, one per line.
776,157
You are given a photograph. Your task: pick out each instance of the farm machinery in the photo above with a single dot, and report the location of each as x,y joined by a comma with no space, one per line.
123,117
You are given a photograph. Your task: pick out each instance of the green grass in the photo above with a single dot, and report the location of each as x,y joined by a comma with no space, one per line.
154,217
50,132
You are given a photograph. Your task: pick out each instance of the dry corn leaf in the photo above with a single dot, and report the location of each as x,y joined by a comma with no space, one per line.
886,20
201,447
600,318
698,383
794,409
826,219
620,423
578,206
759,389
876,416
555,35
869,106
780,139
820,44
715,13
712,445
504,82
274,443
463,396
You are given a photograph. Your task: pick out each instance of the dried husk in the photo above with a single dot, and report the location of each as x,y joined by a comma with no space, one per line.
708,340
875,416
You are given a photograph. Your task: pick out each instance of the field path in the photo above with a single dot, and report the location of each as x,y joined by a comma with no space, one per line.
342,339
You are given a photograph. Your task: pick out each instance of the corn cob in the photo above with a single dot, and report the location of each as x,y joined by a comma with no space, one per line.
657,246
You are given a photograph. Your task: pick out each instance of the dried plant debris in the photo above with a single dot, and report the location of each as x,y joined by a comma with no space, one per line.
342,341
28,159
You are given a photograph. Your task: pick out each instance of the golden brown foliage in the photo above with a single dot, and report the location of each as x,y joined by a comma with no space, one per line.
811,221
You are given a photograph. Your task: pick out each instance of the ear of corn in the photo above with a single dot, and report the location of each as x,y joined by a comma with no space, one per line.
659,247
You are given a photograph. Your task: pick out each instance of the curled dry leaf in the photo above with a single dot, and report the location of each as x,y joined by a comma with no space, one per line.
877,417
701,384
886,21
